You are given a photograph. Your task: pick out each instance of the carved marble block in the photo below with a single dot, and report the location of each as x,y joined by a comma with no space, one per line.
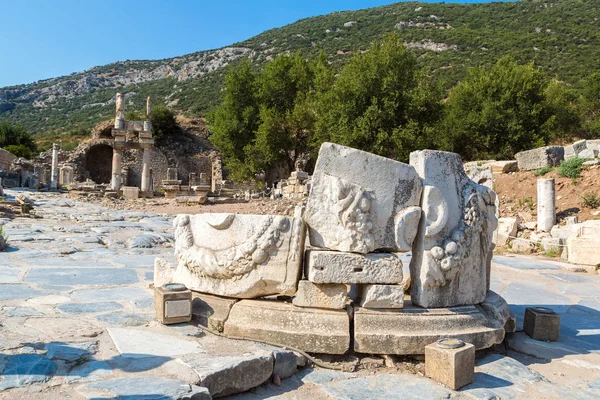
360,202
453,248
237,255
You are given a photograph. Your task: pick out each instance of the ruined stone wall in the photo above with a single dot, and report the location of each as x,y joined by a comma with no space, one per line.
133,160
6,158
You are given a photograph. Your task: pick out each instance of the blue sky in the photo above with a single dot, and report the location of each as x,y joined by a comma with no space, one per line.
47,38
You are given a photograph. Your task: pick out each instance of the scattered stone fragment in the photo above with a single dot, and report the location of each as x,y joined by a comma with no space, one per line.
223,376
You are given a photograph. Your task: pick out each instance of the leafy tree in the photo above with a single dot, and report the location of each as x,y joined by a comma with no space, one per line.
498,112
380,103
564,106
19,150
163,122
591,104
235,121
18,138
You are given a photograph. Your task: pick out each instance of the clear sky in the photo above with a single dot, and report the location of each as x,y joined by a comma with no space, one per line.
42,39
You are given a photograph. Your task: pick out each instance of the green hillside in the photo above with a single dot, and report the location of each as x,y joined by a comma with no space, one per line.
562,37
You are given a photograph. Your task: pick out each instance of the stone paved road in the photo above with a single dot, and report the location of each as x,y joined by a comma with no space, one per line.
77,322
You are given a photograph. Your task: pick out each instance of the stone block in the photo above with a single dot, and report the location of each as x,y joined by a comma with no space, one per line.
583,250
452,251
452,367
173,304
503,167
507,229
588,154
593,144
131,192
338,267
313,330
521,245
223,376
549,156
235,255
382,296
211,311
575,149
497,308
360,202
409,330
300,175
320,295
480,174
542,323
553,245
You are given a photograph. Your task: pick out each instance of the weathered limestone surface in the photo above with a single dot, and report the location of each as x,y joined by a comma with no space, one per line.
236,255
453,248
360,202
324,295
503,167
409,330
482,175
454,368
549,156
507,230
223,376
211,311
382,296
309,329
131,192
573,150
496,307
324,266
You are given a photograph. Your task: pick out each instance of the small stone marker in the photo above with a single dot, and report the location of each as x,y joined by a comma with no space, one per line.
542,323
450,362
173,303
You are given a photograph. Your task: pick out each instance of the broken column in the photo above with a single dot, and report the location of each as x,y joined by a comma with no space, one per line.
148,121
146,169
54,176
116,169
120,111
546,204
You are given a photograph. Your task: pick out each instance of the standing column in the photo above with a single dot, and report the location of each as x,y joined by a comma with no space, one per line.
116,169
546,209
54,176
146,169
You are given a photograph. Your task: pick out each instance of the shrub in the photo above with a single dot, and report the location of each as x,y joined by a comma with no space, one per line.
590,200
19,150
543,171
571,168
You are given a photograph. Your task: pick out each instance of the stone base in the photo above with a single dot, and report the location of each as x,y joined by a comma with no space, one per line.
310,329
211,311
409,330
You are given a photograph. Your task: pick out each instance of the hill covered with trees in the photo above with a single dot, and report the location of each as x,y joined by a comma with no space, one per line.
561,37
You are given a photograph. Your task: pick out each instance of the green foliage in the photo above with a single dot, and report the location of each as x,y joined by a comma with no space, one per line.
591,105
496,113
163,122
19,150
571,168
134,116
526,202
380,102
554,252
543,171
590,200
16,138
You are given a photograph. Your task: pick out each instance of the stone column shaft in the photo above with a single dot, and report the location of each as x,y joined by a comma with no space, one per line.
546,200
146,170
116,169
54,176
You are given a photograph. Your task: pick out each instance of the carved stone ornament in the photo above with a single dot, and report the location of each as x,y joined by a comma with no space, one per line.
452,251
360,202
238,255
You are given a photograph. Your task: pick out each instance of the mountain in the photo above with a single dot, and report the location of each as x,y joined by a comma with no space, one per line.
561,36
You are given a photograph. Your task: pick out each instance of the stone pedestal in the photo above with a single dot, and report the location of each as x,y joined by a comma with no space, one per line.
546,204
116,169
313,330
173,304
146,175
542,323
54,172
450,362
131,192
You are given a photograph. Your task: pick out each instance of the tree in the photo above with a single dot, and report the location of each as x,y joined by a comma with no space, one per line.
591,105
163,122
380,103
234,123
499,112
16,138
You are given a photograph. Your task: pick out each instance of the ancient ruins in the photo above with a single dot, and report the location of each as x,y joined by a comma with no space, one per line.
357,224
